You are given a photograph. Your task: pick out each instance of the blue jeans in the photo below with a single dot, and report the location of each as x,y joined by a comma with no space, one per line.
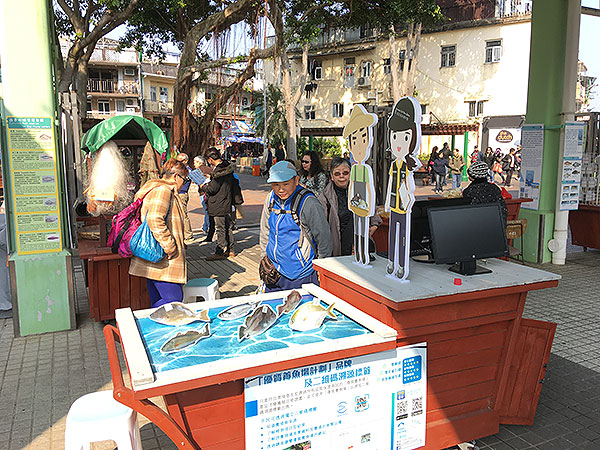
161,292
439,181
456,179
283,284
205,224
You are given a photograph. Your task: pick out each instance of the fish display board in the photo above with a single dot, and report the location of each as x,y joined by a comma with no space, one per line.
571,166
369,402
34,185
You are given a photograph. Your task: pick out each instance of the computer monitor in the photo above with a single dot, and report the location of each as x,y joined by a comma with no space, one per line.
420,235
464,234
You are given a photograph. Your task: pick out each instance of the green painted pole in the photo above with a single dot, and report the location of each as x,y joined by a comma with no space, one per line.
544,105
466,156
39,265
310,142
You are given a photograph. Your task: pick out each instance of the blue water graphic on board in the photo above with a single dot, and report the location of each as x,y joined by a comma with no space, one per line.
223,342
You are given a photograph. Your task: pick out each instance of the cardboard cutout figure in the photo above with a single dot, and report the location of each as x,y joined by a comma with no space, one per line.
361,191
405,139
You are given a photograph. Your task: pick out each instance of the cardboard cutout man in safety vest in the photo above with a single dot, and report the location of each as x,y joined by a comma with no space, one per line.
405,140
361,191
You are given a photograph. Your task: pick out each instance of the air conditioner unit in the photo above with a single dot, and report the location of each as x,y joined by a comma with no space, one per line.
130,72
363,82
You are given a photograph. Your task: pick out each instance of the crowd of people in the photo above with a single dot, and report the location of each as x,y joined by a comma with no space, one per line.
305,216
502,168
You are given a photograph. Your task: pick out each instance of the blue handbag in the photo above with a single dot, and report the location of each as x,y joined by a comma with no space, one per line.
144,245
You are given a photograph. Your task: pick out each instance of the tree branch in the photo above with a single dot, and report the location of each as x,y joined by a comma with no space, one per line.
73,17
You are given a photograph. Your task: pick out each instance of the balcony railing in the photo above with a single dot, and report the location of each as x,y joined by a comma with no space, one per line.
154,106
113,87
103,114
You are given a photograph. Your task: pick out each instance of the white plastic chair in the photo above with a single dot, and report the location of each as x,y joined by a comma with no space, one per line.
207,288
99,417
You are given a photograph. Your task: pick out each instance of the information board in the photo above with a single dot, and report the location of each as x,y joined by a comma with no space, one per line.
370,402
571,166
33,182
532,154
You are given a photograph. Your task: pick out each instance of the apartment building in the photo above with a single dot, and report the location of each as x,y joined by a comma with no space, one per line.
475,66
158,85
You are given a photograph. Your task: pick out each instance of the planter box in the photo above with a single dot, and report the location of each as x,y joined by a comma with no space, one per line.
585,226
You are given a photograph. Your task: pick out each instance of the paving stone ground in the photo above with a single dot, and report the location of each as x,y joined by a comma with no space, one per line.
40,376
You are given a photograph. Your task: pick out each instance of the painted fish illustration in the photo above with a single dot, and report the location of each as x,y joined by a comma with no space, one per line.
290,303
176,314
183,340
237,311
310,316
260,321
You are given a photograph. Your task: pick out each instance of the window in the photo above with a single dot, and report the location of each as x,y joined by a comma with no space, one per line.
366,68
120,106
349,61
130,72
493,51
401,58
164,94
153,93
448,56
316,71
104,106
476,108
349,75
423,109
387,68
309,112
338,110
208,96
89,106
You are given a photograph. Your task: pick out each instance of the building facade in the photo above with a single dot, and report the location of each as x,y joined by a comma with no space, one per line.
158,85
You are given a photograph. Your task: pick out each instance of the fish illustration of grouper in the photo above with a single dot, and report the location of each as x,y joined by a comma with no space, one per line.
310,316
237,311
185,339
290,303
260,321
177,314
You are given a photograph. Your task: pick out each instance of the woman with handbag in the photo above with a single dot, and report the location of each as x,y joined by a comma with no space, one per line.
162,210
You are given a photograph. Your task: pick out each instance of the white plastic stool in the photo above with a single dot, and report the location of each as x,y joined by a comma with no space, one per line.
99,417
207,288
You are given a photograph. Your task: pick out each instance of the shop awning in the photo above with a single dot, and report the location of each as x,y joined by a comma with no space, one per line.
124,127
244,139
447,129
236,126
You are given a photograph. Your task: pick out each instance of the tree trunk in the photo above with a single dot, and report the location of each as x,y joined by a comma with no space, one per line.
394,65
407,58
291,100
184,131
413,60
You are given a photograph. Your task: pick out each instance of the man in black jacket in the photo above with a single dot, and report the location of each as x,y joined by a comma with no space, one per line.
219,202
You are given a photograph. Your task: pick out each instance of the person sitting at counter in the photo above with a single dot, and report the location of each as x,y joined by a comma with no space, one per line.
163,210
335,202
481,190
293,232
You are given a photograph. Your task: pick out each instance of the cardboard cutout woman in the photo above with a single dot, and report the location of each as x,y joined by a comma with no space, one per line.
405,139
361,191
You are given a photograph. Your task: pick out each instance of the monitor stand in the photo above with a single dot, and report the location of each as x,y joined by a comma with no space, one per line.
468,268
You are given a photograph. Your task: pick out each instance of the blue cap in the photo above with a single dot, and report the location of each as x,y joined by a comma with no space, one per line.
282,171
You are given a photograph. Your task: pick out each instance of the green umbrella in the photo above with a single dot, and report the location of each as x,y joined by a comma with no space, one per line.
124,127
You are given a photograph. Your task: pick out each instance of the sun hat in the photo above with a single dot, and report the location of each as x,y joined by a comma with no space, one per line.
282,171
359,118
478,169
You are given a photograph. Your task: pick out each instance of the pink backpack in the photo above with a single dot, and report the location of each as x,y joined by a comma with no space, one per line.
124,225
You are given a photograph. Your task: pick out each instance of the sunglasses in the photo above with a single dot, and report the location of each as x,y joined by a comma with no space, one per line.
185,179
306,161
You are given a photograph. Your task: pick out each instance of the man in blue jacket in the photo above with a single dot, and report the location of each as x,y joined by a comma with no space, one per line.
293,229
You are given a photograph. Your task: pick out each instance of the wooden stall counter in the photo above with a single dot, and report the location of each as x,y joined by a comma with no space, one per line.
485,361
110,286
204,389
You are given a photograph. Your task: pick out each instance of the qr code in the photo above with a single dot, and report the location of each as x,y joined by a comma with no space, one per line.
417,406
401,409
417,403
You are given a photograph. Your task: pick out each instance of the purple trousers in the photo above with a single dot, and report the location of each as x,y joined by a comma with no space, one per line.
161,292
